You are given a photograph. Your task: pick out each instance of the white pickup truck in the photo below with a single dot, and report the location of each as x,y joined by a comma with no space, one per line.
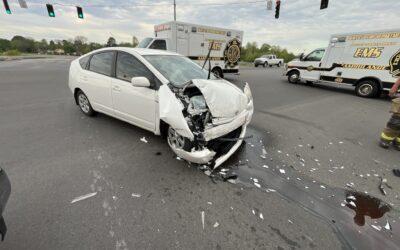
268,60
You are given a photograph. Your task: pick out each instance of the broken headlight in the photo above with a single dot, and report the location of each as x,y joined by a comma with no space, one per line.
197,105
247,92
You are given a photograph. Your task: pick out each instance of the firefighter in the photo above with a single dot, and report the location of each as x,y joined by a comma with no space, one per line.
391,134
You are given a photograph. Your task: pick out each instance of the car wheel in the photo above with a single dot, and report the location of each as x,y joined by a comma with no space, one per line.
265,64
84,104
293,77
217,72
279,64
367,88
256,65
177,141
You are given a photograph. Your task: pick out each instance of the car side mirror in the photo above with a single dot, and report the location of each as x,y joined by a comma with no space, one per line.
140,81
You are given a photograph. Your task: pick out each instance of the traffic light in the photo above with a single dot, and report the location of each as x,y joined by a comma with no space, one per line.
50,10
277,8
80,12
6,6
324,4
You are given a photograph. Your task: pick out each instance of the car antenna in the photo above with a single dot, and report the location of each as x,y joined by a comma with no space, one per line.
208,59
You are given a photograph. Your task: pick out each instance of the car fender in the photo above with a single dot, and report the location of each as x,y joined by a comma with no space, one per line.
170,111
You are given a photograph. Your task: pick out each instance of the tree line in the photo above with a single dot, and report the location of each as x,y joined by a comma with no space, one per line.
77,46
80,45
251,51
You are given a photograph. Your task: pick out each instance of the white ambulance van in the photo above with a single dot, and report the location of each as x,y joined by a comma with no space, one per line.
194,41
369,61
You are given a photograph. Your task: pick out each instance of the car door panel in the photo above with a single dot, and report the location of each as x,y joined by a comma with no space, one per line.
97,81
136,105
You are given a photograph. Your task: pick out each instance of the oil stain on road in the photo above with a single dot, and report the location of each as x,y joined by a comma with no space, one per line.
359,220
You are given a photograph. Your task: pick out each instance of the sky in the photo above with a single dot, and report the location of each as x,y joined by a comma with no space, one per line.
302,26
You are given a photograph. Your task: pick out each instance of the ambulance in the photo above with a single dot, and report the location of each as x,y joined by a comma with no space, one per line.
195,41
369,61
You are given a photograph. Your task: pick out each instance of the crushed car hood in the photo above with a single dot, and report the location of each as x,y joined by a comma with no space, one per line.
222,97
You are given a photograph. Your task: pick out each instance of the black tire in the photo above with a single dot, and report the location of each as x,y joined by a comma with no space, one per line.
279,64
218,72
265,64
367,88
84,104
293,77
256,65
309,83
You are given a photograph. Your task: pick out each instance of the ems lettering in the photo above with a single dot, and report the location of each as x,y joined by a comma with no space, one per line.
371,52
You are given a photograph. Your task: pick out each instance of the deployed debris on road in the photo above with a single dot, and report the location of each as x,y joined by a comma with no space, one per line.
83,197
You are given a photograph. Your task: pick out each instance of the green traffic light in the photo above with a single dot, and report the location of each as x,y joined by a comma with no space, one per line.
80,16
8,11
51,14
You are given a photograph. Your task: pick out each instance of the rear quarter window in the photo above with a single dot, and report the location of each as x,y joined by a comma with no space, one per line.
84,61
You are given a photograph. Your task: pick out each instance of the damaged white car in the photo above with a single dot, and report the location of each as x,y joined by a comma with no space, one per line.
204,118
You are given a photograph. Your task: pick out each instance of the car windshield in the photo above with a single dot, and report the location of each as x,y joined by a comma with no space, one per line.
145,42
178,69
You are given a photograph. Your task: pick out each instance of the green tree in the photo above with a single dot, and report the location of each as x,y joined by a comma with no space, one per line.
22,44
111,42
4,45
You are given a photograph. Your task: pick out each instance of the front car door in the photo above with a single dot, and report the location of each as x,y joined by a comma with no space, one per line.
312,62
97,81
136,105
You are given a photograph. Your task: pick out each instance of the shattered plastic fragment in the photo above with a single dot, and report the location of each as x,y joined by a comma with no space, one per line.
261,216
143,139
254,212
351,203
282,171
257,185
323,187
378,228
265,166
388,226
83,197
216,224
136,195
202,218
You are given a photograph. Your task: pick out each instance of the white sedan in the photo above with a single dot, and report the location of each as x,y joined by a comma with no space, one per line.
204,118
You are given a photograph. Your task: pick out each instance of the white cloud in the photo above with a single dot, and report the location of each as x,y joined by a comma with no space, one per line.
302,26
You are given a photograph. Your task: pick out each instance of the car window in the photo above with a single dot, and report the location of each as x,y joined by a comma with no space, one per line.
128,66
177,69
83,61
102,63
159,44
315,55
145,42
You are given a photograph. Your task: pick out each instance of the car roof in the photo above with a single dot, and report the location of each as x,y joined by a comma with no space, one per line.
140,51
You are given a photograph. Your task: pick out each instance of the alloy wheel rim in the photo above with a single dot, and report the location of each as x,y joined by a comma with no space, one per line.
175,139
84,103
365,89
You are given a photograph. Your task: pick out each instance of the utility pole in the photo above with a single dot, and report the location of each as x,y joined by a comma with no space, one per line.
174,10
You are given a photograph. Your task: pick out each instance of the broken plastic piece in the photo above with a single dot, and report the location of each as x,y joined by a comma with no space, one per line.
143,139
83,197
202,218
216,224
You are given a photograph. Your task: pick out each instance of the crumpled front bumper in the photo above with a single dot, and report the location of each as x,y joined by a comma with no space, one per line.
206,155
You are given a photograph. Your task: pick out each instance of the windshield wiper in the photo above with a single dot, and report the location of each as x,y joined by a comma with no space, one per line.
209,60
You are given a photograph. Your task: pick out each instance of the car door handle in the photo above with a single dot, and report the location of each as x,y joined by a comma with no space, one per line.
117,88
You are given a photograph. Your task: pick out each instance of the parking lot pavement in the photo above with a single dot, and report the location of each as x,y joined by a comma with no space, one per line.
138,195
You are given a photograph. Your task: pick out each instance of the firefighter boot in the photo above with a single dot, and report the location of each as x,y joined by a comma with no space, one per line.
396,143
386,140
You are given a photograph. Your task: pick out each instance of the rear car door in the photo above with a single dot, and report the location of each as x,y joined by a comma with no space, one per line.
97,81
136,105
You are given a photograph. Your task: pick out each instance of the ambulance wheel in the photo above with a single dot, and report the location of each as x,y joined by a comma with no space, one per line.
367,88
217,72
293,77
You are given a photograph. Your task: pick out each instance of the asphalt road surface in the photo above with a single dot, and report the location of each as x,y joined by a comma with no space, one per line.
320,144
